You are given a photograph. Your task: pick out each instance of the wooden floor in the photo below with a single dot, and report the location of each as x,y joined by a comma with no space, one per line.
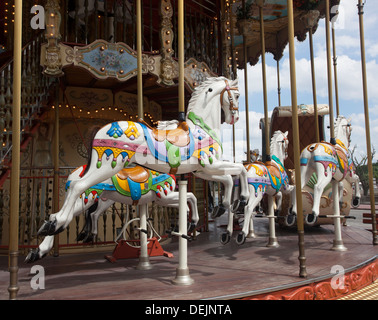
219,271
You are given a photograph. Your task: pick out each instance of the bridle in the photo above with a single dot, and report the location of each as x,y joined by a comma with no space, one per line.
230,99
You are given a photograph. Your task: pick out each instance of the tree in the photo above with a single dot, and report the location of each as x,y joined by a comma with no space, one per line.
361,168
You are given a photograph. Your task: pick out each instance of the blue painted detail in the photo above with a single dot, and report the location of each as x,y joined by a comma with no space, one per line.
160,178
304,161
104,186
326,158
68,183
135,189
115,130
108,152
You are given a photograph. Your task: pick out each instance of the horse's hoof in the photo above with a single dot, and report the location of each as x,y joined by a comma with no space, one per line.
225,238
81,236
191,227
311,218
240,239
356,202
242,205
218,211
47,229
235,205
290,220
89,238
32,256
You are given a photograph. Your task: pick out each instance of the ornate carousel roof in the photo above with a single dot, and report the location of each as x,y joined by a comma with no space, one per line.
245,25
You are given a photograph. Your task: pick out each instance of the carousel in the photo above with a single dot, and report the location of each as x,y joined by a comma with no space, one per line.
113,181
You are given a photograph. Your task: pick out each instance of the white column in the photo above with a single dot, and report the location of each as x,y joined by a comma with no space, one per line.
182,272
144,260
338,244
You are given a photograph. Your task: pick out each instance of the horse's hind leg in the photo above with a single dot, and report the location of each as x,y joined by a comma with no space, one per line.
248,214
93,176
324,178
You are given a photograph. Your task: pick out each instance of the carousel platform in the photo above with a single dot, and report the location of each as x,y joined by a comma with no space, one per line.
250,271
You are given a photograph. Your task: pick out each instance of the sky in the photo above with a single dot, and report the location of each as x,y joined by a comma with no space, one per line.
349,72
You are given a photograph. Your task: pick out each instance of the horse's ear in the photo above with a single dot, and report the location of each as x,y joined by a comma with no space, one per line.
235,82
286,133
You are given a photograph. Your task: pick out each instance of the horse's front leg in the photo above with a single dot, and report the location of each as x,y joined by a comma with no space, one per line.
228,184
225,206
232,169
248,230
354,178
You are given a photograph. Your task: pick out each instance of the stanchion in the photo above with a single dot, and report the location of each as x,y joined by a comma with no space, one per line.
144,260
182,272
338,244
272,242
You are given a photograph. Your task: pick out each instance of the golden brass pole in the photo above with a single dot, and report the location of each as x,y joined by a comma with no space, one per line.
144,262
335,70
262,41
317,135
278,83
15,172
139,58
181,58
367,125
234,71
329,75
246,91
293,85
56,171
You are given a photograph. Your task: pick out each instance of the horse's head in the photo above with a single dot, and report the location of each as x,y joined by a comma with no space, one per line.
279,144
343,130
229,97
213,92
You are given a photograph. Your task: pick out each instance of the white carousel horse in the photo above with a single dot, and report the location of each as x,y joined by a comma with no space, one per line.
328,162
129,186
265,178
192,146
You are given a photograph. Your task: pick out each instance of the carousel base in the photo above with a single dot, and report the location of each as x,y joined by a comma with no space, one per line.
249,271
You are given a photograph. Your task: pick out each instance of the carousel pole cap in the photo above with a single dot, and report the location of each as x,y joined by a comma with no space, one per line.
260,3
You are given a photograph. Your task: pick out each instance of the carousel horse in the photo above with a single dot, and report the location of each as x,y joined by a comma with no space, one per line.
264,178
329,162
186,146
129,186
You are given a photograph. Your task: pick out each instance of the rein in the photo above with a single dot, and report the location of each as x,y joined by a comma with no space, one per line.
230,99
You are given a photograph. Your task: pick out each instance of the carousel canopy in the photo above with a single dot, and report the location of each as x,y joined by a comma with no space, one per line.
245,19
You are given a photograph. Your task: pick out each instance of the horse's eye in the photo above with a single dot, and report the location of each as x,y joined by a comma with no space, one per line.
210,90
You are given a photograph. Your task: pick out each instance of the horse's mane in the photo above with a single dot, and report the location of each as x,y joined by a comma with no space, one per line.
338,122
198,90
274,138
